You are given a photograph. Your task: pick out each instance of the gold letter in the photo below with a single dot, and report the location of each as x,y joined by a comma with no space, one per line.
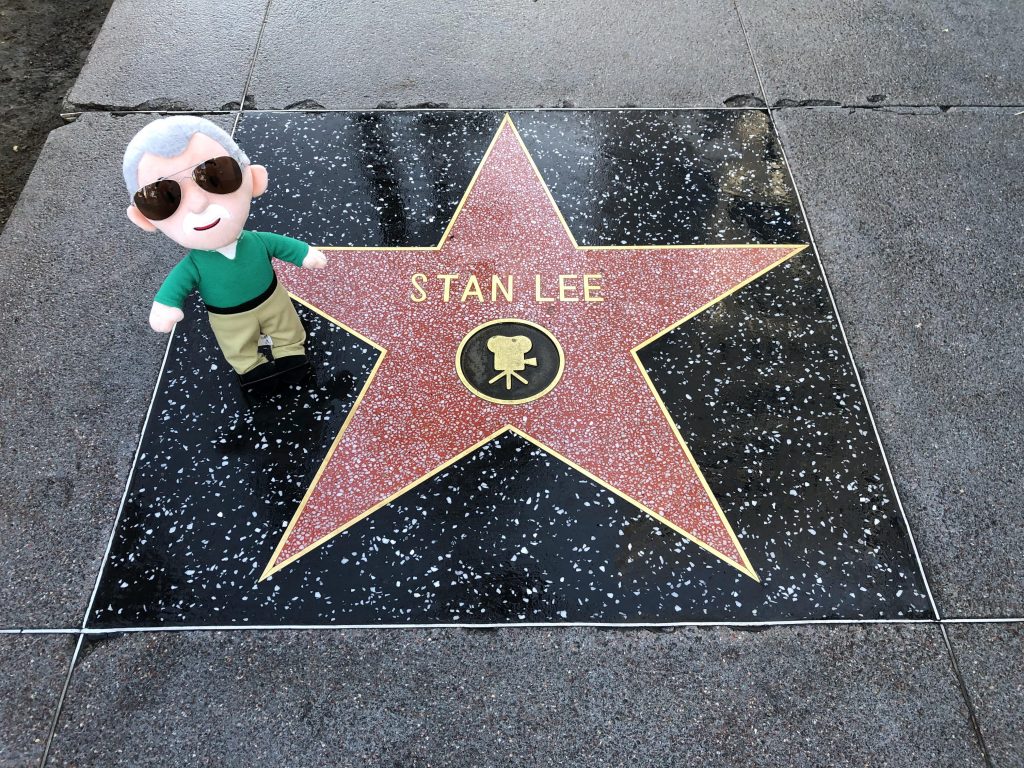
565,287
590,290
497,286
472,289
540,299
447,286
419,282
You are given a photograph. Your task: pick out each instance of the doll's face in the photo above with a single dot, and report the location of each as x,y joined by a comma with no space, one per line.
203,220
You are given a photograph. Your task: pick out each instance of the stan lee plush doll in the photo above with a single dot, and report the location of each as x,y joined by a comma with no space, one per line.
189,180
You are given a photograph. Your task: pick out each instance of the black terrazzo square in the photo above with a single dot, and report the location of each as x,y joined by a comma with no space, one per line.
760,386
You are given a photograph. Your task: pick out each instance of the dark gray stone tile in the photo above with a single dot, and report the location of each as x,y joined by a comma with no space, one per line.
879,51
80,363
797,696
991,659
917,217
499,54
34,667
190,55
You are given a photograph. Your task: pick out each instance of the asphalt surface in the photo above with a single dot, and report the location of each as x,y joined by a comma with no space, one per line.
916,212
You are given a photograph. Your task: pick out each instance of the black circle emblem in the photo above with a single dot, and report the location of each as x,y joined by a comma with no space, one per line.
509,361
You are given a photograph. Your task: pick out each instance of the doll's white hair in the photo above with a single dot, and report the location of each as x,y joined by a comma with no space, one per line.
168,137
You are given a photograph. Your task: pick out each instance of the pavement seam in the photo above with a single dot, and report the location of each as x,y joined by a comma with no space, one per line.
972,713
984,620
892,109
839,321
39,631
252,68
60,701
888,106
519,625
607,625
70,117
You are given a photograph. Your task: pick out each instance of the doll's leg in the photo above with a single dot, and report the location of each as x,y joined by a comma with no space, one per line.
281,323
238,335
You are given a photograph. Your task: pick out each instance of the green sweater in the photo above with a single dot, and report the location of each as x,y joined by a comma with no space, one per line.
224,282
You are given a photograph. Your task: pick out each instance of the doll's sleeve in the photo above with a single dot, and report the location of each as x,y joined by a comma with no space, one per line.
284,248
182,280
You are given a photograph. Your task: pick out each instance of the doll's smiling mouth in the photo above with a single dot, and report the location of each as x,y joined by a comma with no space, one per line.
208,226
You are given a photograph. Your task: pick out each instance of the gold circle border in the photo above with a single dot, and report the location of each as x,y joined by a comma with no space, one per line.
473,390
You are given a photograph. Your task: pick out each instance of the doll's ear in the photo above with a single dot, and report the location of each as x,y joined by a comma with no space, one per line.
139,220
259,179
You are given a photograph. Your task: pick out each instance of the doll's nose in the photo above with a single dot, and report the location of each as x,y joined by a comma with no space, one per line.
196,199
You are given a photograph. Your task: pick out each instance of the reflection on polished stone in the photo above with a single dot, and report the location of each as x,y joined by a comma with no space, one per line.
619,397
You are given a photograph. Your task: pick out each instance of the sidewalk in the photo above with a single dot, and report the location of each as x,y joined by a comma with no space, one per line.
902,130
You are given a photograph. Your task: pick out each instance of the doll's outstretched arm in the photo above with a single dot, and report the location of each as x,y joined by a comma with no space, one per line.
314,259
166,311
293,251
162,317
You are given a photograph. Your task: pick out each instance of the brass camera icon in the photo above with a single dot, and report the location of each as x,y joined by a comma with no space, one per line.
510,357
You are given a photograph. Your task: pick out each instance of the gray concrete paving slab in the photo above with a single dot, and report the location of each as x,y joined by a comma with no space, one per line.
796,696
940,52
44,45
34,670
991,659
917,218
497,54
191,55
80,363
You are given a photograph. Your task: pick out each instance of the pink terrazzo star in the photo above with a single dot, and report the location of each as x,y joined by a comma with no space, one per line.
416,417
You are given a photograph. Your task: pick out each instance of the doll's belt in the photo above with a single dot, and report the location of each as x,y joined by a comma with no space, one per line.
247,305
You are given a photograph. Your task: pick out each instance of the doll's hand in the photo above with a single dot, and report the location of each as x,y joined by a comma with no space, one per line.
314,259
162,318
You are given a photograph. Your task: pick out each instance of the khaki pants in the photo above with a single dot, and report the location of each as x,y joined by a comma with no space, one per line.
239,333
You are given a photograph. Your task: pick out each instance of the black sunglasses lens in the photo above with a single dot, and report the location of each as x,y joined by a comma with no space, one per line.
158,200
221,175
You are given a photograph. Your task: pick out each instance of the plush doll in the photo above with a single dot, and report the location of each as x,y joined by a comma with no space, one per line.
189,180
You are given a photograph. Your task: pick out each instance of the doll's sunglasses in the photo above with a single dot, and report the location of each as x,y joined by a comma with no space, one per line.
159,200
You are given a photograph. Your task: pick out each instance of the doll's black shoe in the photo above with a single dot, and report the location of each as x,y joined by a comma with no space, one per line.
292,369
260,380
